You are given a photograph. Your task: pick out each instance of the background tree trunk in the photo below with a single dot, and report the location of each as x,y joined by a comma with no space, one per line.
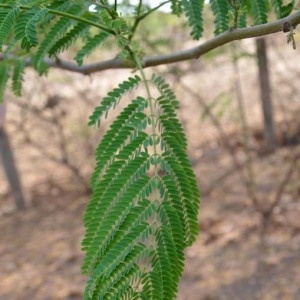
265,91
9,164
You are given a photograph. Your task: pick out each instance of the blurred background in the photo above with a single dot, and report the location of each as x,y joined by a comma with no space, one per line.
240,110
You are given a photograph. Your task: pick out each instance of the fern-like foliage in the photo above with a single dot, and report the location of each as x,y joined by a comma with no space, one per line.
57,30
4,76
193,10
17,77
176,7
143,212
282,10
260,11
69,21
220,9
26,27
90,46
7,20
68,39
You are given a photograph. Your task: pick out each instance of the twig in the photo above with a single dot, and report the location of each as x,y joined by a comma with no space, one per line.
278,196
178,56
139,17
64,159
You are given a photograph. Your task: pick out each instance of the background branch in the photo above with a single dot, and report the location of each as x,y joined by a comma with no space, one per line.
178,56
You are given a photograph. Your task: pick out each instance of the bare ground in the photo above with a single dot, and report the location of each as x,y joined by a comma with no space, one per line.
41,257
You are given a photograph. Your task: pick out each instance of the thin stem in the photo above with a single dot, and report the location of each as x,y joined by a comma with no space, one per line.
236,8
153,9
152,113
150,100
153,119
139,18
136,21
176,56
113,13
290,171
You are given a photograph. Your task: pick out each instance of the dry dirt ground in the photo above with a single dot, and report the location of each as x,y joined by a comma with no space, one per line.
234,257
41,257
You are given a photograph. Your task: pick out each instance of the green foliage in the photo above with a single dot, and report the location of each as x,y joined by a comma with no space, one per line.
220,10
25,27
282,10
90,46
4,76
141,165
7,19
113,98
144,206
176,7
193,10
17,77
259,11
51,39
77,31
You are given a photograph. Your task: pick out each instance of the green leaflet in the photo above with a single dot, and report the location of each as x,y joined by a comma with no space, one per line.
193,10
242,20
282,10
277,4
176,7
4,76
220,9
112,98
26,27
115,140
260,11
56,31
285,10
90,46
7,20
68,39
17,78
